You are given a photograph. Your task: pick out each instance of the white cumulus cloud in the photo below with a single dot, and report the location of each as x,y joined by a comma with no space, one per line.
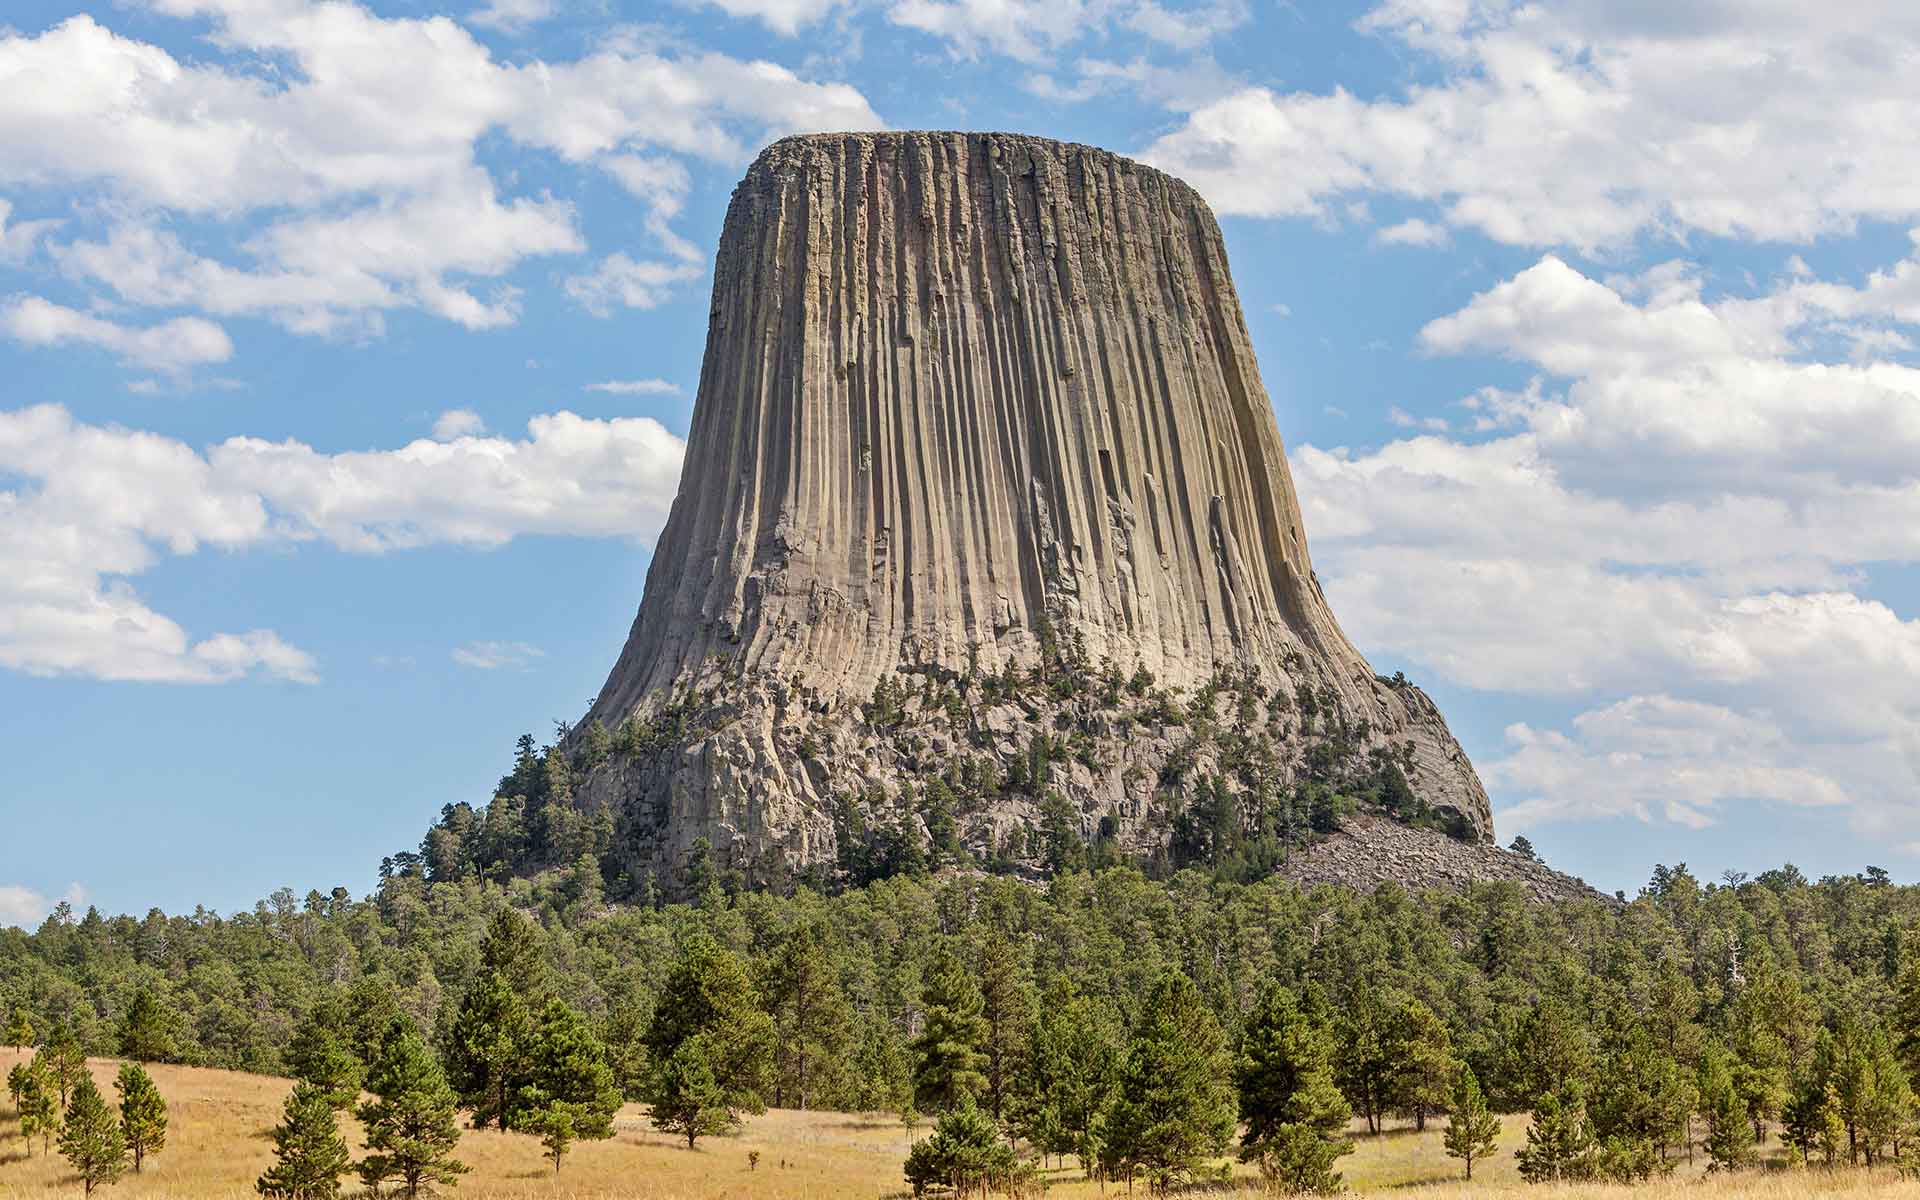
94,507
1669,526
457,423
318,207
1588,122
25,908
172,346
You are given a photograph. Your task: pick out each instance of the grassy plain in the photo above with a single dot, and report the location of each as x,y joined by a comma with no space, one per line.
217,1145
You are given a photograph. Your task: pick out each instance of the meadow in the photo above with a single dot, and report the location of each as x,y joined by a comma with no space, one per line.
217,1144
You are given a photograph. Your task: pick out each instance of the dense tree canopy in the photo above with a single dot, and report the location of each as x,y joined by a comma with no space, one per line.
1773,1004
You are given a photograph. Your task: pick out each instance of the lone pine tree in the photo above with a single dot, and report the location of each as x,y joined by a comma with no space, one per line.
966,1153
90,1138
309,1154
66,1061
143,1114
688,1100
16,1083
1472,1132
571,1095
410,1127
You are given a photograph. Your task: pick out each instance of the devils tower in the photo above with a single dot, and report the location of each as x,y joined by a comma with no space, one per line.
986,540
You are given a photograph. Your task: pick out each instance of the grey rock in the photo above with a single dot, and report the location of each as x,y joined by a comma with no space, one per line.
960,390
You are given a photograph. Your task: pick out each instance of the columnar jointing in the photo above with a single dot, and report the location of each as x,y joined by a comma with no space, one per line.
959,389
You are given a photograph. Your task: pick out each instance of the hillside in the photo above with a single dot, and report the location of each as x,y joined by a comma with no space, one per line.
217,1147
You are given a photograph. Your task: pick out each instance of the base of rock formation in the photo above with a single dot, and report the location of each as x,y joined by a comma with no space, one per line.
1369,850
1022,768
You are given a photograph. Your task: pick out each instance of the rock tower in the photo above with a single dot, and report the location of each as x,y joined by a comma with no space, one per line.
981,470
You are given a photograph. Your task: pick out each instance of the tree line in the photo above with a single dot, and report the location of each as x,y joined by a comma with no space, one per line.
1138,1025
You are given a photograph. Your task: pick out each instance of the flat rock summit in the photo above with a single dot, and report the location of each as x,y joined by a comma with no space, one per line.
986,537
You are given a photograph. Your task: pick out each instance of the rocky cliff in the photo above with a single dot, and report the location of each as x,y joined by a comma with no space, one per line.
984,502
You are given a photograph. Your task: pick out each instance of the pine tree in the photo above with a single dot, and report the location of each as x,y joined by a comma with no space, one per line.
309,1154
1293,1111
558,1125
90,1137
1887,1115
965,1153
316,1054
511,949
1472,1131
1550,1047
1904,1021
146,1029
369,1017
1729,1141
487,1049
1067,1073
20,1030
687,1099
1560,1141
882,1079
66,1061
16,1083
810,1017
1006,1003
568,1072
1367,1056
39,1105
1850,1059
1759,1071
143,1113
946,1055
1424,1074
410,1125
708,996
1831,1129
1639,1093
1174,1108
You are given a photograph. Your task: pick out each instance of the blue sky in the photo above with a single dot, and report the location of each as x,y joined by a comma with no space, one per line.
345,350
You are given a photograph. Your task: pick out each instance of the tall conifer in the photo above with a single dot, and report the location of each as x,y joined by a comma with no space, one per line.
947,1056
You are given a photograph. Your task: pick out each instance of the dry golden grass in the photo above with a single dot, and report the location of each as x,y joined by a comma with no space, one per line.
217,1145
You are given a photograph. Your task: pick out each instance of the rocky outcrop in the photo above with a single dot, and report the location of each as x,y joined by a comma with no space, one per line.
978,411
1369,850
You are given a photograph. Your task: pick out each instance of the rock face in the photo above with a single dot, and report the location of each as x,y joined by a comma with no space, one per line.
979,407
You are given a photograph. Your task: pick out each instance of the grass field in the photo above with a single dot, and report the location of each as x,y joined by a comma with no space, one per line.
217,1145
